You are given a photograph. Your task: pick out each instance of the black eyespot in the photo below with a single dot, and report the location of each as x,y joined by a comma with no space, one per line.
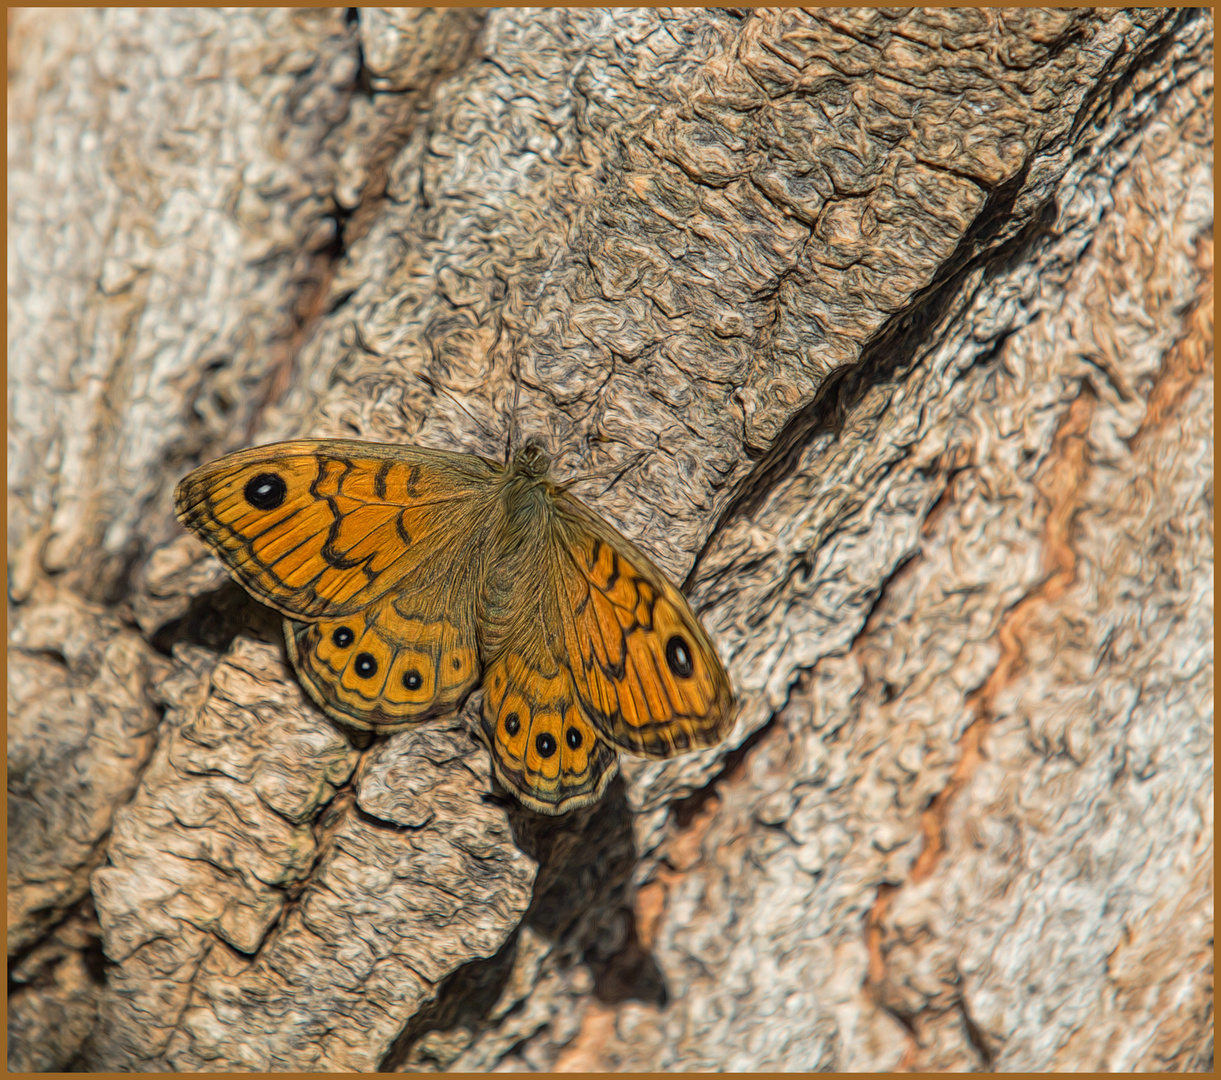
366,666
457,663
343,637
573,738
678,656
412,679
545,744
512,724
681,741
266,491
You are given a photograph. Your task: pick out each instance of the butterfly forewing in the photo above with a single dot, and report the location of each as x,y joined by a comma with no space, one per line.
643,669
320,529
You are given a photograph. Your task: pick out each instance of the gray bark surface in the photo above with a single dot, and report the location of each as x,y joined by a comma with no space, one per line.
889,333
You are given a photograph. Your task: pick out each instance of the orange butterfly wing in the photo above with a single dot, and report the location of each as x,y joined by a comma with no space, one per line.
321,529
543,747
389,666
642,667
354,542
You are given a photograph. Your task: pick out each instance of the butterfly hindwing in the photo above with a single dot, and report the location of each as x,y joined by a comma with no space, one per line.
543,747
383,668
322,528
643,669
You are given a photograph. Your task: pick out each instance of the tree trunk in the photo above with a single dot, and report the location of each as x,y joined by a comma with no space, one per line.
888,332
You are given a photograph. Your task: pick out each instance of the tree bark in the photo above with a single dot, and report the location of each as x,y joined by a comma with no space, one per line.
888,332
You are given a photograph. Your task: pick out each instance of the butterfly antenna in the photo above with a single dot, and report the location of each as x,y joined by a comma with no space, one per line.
513,410
617,475
437,388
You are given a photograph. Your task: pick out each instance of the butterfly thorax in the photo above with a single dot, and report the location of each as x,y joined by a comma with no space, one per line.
527,510
527,495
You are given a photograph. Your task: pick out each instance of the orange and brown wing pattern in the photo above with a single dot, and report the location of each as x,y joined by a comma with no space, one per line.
543,747
322,528
385,670
642,667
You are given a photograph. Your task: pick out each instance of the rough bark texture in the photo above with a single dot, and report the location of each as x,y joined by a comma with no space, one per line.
889,332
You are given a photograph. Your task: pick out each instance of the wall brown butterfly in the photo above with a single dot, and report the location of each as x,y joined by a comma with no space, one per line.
410,576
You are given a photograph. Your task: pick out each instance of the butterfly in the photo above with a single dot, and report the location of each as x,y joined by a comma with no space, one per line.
409,576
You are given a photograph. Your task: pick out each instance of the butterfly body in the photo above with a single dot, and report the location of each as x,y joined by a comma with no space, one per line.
409,576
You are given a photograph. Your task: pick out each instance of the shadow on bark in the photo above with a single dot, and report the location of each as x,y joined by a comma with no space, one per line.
581,908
